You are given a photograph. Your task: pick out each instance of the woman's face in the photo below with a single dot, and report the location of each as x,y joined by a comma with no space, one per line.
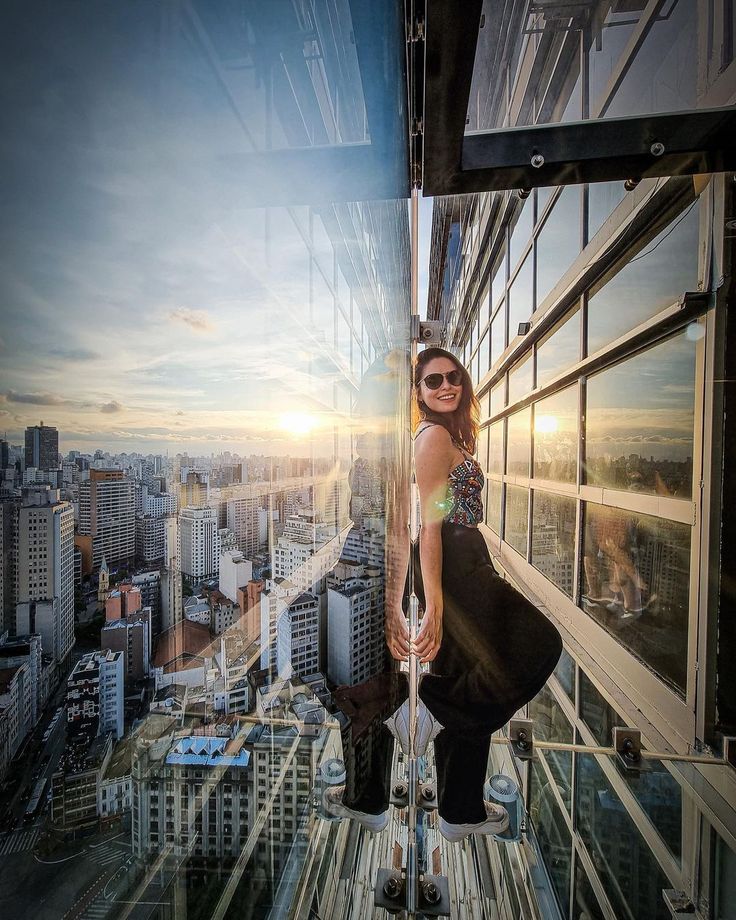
447,397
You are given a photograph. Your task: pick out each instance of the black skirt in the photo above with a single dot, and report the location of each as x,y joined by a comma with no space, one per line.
497,648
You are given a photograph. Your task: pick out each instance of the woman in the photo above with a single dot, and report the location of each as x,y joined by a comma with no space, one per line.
491,649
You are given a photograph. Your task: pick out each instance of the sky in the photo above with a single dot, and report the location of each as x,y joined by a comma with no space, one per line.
146,303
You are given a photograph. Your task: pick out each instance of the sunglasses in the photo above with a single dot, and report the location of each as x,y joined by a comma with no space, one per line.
434,381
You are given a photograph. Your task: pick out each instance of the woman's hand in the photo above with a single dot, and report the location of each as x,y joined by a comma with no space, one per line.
397,633
429,637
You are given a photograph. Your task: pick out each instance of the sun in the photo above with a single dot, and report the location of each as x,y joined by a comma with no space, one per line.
546,424
299,423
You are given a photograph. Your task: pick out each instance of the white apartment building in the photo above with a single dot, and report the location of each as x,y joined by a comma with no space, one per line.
112,692
199,550
46,570
235,572
305,553
162,503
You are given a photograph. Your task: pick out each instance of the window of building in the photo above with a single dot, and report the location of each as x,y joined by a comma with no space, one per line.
635,584
556,436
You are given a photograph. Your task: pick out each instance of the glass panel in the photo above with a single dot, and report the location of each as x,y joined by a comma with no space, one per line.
551,724
603,56
516,524
663,75
640,421
521,297
484,307
558,242
482,451
521,232
184,179
556,436
559,349
520,379
498,334
553,538
565,673
483,357
654,279
553,835
631,876
493,511
585,906
495,457
724,889
498,397
636,572
498,284
519,442
603,197
656,790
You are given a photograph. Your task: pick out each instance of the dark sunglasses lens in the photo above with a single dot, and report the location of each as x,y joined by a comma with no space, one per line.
433,381
455,378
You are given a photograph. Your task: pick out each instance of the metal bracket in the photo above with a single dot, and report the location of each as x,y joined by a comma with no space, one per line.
400,795
679,904
627,744
729,749
521,738
390,890
426,796
430,333
433,893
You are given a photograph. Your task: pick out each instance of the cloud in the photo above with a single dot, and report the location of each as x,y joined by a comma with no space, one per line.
37,399
197,320
111,407
75,354
179,412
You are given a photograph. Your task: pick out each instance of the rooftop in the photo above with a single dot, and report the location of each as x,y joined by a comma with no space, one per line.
208,752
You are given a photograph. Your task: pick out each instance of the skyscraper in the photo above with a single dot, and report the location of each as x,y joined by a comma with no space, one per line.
107,515
46,571
199,549
42,447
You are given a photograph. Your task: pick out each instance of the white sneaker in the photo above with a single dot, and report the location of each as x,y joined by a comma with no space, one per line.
427,728
497,822
332,801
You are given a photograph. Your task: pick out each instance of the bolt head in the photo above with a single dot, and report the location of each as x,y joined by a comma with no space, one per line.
537,161
657,149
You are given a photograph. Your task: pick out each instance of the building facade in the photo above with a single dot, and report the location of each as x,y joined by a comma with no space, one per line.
199,551
107,517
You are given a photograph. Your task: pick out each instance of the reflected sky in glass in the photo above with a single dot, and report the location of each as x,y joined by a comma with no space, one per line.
640,420
558,242
521,297
556,436
518,435
655,278
516,525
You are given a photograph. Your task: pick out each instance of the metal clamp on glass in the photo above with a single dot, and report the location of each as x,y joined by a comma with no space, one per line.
521,738
627,744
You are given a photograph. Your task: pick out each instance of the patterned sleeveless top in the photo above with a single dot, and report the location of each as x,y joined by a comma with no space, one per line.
463,503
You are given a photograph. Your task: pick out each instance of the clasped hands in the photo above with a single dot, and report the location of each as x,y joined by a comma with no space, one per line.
428,640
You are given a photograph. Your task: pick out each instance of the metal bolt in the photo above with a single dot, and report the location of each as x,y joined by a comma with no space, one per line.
431,893
537,160
400,789
523,193
392,887
428,793
657,149
631,184
521,740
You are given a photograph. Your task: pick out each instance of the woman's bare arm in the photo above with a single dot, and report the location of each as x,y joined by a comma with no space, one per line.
434,455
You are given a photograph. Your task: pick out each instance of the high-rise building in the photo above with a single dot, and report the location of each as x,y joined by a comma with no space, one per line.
150,538
235,573
242,519
130,635
149,584
107,516
297,637
171,586
9,520
42,447
4,454
355,609
46,571
199,551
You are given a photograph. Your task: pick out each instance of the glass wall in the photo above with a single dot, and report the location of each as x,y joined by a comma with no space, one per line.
210,300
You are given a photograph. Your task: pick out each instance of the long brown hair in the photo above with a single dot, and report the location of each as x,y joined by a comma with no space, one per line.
462,424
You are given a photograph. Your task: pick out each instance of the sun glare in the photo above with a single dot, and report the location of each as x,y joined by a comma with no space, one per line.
297,422
545,424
